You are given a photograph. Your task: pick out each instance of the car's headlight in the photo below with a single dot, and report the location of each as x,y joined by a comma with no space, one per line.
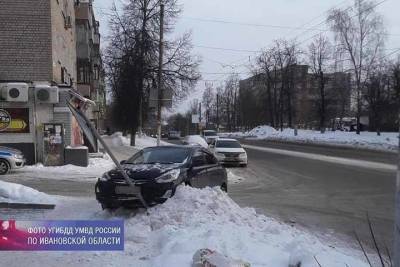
169,177
219,155
18,156
106,177
243,155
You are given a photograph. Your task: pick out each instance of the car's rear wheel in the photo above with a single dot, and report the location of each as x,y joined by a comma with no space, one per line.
4,167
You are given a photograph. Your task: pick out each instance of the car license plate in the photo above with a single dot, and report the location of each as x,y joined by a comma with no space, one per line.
126,190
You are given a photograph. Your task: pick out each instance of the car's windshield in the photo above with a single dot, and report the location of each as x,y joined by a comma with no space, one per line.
228,144
210,133
160,155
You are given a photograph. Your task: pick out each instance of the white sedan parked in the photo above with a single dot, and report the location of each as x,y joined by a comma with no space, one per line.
229,151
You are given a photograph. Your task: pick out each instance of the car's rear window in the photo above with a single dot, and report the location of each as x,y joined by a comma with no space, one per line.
160,155
228,144
210,133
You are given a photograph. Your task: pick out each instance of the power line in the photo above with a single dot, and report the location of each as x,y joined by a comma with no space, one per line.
227,49
301,42
323,13
222,21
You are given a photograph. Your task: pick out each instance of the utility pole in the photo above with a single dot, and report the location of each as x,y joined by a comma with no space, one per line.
160,70
396,247
199,118
217,112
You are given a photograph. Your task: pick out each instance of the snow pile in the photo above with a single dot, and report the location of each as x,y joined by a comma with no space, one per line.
170,234
195,140
233,178
193,219
264,130
118,139
16,193
143,141
368,140
97,166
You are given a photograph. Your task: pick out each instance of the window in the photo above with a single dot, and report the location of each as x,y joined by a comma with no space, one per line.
199,159
84,74
96,74
211,159
228,144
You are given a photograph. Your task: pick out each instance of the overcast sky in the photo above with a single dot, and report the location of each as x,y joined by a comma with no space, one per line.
262,15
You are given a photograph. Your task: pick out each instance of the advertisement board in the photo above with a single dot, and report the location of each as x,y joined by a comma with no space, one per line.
14,120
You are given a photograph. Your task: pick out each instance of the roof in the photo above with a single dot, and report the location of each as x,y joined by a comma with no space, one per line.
227,139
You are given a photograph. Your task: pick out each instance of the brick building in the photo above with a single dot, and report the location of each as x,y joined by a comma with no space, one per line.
38,68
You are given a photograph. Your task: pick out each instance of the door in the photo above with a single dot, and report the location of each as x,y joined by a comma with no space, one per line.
213,177
199,169
53,144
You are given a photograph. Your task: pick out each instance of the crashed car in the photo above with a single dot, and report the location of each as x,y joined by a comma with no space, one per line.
158,171
10,159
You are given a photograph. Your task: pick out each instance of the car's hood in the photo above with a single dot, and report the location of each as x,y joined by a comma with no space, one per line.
9,150
144,171
229,150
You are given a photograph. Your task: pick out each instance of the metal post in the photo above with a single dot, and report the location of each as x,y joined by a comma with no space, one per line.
217,112
200,118
396,246
160,80
135,189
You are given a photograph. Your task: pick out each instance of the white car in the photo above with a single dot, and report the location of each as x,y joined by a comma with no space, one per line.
229,151
210,136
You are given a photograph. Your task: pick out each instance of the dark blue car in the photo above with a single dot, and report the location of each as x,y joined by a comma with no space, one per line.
157,171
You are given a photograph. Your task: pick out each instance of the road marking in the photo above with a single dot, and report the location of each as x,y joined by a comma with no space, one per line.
330,159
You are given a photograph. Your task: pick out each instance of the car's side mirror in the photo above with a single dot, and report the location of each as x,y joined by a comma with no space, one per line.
122,162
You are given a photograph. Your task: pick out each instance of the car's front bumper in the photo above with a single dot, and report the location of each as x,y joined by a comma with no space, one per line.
112,194
17,163
233,161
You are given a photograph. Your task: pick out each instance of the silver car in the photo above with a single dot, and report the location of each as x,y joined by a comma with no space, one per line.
10,159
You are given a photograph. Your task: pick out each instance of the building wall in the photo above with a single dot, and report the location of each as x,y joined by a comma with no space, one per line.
305,97
25,40
63,41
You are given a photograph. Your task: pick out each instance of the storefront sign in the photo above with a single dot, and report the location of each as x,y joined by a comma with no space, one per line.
5,120
14,120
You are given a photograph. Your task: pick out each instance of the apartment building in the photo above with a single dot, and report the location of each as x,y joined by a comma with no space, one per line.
303,108
90,73
40,64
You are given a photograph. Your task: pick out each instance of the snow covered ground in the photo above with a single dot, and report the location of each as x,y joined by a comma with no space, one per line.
16,193
97,166
141,141
170,234
367,140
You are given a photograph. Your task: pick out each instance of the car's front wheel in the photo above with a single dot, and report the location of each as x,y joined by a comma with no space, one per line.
224,187
4,167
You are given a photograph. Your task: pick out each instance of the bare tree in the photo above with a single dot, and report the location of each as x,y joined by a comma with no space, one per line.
208,99
230,101
132,59
360,33
265,70
377,95
319,59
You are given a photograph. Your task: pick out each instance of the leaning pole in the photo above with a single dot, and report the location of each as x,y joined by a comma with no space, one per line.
396,247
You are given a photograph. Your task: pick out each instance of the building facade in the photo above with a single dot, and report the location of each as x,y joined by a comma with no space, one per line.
294,98
90,79
38,68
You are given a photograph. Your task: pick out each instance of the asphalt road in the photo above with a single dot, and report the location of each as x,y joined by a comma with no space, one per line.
328,197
